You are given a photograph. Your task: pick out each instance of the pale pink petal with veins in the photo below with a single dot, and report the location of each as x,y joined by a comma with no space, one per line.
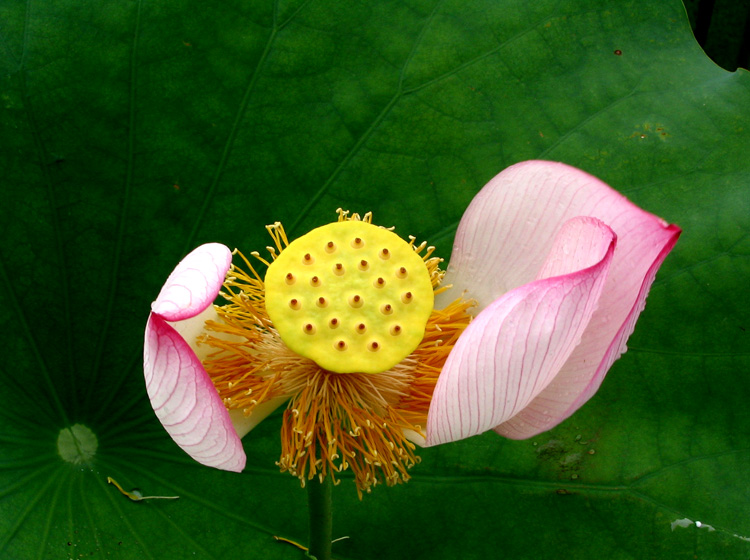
185,400
502,243
516,346
194,283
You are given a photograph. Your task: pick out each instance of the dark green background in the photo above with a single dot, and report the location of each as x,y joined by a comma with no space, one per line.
722,28
131,131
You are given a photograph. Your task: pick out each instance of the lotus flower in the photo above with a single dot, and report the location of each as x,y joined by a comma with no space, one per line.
552,265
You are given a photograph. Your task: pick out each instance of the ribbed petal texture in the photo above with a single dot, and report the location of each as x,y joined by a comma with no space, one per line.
516,346
503,243
181,392
185,400
194,283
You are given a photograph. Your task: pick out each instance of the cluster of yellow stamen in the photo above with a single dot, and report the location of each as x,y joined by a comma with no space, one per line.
338,418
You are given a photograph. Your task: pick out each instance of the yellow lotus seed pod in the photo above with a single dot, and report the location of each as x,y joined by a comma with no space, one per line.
351,296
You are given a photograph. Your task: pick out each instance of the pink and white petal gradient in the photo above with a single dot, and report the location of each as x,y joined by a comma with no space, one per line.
514,348
194,283
181,392
502,244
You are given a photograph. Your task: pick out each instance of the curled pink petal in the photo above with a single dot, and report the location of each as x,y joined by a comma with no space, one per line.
603,342
185,400
194,283
501,244
517,345
507,230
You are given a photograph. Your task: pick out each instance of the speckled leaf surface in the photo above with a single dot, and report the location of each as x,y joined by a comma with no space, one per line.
133,131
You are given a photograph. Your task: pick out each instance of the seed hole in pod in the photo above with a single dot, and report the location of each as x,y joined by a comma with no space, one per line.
338,269
407,297
386,309
340,345
333,323
308,259
357,243
373,346
401,273
309,328
330,247
356,301
315,281
379,283
361,328
363,265
396,330
321,302
384,254
290,279
295,304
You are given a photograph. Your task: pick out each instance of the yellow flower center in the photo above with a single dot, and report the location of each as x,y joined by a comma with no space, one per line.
351,296
380,291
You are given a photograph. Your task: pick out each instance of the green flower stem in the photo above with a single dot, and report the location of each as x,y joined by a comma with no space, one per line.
321,525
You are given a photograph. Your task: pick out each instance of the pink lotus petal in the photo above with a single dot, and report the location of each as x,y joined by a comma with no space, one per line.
501,243
516,346
507,230
603,342
185,400
194,283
